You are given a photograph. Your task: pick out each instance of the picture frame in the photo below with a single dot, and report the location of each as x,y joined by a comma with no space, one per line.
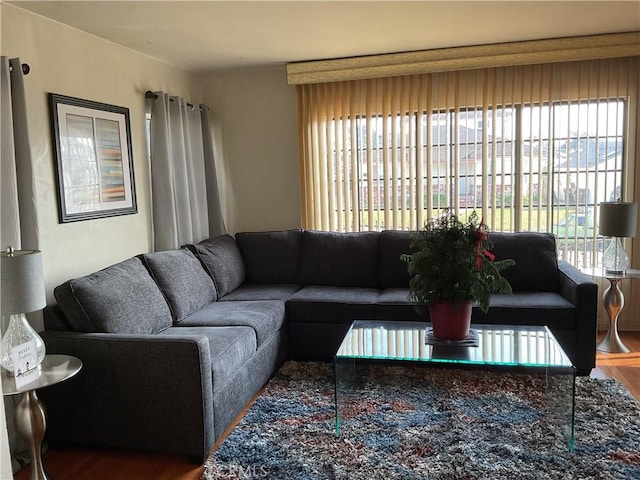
93,159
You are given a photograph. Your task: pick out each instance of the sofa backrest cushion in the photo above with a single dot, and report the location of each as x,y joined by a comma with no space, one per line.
182,280
536,267
271,257
122,298
392,272
222,260
339,259
54,319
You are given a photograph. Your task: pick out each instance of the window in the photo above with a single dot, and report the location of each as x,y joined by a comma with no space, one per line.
532,148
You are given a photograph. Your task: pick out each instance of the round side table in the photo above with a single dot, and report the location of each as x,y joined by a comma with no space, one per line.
613,302
30,416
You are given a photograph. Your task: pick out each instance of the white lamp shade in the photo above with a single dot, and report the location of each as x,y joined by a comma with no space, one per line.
22,282
618,219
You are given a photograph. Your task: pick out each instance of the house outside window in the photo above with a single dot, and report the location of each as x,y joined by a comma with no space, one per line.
547,169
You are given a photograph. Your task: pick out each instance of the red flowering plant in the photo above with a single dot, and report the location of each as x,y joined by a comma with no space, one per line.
451,261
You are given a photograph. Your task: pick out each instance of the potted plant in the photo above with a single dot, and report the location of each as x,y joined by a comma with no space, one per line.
450,268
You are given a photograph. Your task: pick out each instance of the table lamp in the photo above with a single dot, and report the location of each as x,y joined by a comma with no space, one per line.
22,285
617,219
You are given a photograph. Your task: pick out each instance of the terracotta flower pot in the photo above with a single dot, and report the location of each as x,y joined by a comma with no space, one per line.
450,321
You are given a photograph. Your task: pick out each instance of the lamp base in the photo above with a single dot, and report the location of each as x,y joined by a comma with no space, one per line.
18,332
615,259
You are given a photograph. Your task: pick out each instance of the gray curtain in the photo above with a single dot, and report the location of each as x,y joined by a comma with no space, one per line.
216,221
19,227
184,190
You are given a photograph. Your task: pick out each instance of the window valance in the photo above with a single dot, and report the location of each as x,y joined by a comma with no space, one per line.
466,58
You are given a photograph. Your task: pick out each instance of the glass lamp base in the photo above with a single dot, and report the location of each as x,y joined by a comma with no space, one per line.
18,332
615,259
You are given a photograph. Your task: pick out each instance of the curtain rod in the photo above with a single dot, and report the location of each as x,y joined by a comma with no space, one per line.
25,68
150,94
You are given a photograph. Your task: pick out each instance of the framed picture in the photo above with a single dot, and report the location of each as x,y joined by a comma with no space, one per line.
94,164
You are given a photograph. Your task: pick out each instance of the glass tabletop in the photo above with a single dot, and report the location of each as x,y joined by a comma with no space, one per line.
507,345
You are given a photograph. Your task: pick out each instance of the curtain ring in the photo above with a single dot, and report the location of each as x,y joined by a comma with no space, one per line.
25,68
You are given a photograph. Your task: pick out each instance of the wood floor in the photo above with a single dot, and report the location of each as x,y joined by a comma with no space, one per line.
624,367
105,464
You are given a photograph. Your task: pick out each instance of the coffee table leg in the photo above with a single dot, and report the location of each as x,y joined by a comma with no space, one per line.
31,424
560,399
344,383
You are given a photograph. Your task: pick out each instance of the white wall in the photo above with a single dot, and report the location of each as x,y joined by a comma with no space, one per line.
67,61
255,129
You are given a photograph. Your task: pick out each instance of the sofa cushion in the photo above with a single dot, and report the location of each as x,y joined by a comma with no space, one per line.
261,292
327,304
392,272
339,259
529,308
271,257
394,304
264,317
222,260
229,347
395,296
536,268
122,298
182,280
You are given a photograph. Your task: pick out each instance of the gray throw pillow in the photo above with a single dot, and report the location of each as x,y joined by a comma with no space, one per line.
339,259
271,257
122,298
183,281
536,268
223,261
392,271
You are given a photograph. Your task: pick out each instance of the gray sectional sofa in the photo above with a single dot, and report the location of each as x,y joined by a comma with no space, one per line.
175,343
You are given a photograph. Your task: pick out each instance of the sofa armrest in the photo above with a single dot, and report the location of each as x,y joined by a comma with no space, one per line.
150,392
581,291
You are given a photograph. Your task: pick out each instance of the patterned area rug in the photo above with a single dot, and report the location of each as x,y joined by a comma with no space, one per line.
428,424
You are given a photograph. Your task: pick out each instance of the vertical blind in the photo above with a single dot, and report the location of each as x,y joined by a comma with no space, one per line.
533,147
494,346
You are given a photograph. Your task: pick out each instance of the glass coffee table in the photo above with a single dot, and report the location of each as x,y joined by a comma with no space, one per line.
520,349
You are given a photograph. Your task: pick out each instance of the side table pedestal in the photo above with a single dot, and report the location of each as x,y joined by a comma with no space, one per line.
31,424
613,302
31,421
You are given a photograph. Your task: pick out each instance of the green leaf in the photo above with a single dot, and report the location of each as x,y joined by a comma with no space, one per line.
448,263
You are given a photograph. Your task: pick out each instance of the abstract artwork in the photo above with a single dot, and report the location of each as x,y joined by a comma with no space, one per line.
94,163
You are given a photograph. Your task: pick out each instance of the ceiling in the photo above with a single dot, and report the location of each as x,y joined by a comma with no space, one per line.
215,35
